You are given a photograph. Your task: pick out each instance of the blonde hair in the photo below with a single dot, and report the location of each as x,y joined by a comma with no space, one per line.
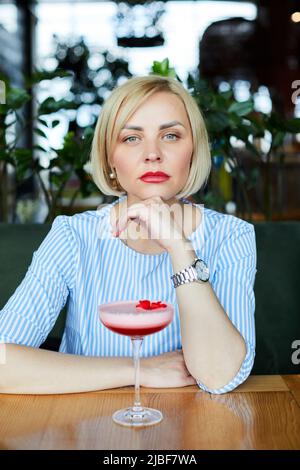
117,110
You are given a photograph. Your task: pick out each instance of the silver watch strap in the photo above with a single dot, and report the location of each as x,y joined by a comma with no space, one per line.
185,276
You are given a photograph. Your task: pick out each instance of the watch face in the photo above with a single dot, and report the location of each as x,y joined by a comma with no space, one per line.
202,270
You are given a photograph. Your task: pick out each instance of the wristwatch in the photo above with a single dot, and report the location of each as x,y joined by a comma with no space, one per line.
198,271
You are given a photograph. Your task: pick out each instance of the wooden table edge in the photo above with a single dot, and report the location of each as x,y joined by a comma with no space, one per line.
254,384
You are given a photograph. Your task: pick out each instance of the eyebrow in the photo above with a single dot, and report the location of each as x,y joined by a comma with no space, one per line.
162,126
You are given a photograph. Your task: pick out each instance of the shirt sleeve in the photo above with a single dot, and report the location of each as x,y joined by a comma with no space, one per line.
233,284
30,313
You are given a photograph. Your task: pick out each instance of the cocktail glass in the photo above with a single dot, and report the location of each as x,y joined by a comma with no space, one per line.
125,318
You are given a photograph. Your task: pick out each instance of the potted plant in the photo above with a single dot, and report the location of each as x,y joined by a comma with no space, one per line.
227,118
230,181
65,179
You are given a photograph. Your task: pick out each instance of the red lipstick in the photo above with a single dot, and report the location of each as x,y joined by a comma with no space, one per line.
154,177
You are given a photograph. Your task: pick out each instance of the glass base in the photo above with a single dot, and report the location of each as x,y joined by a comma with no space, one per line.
137,416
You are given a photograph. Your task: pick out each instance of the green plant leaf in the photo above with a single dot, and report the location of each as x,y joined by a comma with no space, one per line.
55,123
59,178
23,155
165,65
88,133
162,68
16,98
227,95
55,179
50,105
190,82
222,100
234,120
278,139
3,155
217,121
23,163
4,109
242,108
39,132
42,121
40,75
40,148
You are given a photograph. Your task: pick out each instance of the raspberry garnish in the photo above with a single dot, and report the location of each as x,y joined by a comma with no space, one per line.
148,305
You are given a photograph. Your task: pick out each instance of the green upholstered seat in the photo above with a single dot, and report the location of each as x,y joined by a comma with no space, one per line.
277,287
277,293
17,244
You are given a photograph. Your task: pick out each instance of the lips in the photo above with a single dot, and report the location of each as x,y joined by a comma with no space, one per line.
154,177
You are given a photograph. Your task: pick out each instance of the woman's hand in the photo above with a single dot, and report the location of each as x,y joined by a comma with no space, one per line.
156,217
165,371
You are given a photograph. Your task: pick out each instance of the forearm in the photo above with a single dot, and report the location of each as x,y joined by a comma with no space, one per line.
27,370
213,348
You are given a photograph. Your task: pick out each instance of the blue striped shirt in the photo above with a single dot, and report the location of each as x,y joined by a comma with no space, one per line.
80,262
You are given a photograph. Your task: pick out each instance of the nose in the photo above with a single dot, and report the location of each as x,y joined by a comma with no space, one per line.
152,156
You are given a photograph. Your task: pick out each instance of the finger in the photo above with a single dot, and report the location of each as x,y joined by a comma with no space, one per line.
122,222
123,213
132,213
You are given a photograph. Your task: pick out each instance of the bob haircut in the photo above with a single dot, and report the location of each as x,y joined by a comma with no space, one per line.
117,110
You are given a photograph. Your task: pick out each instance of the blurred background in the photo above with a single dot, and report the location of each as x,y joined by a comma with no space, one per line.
59,61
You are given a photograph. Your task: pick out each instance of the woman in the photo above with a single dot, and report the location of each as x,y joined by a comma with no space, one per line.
139,248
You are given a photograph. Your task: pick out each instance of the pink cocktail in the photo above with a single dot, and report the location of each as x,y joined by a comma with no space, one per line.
129,318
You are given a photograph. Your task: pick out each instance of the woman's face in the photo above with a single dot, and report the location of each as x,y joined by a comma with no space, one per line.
143,145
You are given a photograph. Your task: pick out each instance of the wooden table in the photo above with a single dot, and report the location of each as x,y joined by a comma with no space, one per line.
263,413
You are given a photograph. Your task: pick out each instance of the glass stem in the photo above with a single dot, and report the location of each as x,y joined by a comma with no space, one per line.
136,344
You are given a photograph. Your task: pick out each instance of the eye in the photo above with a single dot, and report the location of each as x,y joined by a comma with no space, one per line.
130,137
135,137
174,135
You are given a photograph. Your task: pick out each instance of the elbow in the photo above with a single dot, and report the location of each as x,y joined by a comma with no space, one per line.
216,389
209,381
218,376
214,386
208,378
